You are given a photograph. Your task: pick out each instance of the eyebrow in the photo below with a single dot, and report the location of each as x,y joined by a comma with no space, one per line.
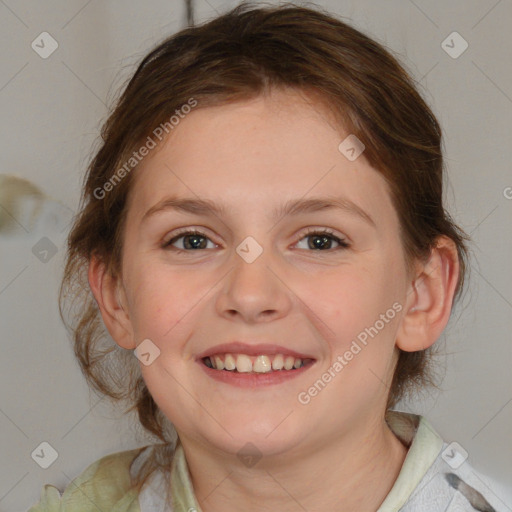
198,206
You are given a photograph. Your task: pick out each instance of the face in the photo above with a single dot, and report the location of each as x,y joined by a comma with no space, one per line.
321,285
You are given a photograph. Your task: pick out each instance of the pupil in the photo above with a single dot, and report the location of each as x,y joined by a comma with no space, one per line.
323,240
194,243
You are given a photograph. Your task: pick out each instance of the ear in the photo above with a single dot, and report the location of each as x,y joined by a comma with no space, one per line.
111,299
429,298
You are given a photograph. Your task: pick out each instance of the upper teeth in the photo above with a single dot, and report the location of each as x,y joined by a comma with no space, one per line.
260,364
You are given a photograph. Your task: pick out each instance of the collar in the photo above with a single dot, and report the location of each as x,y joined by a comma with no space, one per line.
424,446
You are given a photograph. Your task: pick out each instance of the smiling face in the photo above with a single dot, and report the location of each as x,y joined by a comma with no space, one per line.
260,276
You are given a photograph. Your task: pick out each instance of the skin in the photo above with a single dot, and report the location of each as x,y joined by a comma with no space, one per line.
336,452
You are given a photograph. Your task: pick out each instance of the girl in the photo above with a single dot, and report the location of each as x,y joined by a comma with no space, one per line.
263,228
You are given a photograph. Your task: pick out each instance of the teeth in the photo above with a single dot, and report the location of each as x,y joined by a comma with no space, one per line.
243,363
289,362
262,363
229,362
278,362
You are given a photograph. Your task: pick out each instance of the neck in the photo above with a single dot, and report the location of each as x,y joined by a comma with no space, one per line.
350,474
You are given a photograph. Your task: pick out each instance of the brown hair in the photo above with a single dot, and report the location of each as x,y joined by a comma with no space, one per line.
240,55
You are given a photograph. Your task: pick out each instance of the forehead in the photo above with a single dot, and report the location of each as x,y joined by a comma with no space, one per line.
268,149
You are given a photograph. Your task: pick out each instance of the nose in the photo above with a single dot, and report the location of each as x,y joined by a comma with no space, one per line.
254,292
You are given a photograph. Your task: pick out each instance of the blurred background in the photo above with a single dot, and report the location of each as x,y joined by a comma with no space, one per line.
62,63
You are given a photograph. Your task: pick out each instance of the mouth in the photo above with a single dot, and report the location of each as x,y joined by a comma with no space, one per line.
263,363
249,365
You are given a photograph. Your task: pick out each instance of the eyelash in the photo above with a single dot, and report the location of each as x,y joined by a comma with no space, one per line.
343,244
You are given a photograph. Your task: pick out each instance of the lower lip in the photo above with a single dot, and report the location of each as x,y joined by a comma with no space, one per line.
251,380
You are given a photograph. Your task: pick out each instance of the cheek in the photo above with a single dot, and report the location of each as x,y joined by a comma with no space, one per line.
361,310
163,300
355,304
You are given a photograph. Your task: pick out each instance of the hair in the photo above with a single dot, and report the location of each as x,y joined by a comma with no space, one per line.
241,55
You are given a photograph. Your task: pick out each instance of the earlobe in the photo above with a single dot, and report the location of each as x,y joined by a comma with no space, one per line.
109,296
429,298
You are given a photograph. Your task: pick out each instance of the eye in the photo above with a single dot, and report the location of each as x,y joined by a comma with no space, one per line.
320,239
192,240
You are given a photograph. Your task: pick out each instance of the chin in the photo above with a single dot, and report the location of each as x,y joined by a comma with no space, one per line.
256,439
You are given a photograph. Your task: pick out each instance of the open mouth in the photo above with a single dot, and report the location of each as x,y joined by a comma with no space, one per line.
243,363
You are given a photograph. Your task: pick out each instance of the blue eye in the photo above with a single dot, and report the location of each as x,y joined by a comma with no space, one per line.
195,240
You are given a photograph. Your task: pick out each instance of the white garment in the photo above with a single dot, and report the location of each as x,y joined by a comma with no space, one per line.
152,495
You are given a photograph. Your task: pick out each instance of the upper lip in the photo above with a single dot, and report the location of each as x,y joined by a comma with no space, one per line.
237,347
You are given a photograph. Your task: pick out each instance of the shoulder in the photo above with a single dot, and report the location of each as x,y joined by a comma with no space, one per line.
104,485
